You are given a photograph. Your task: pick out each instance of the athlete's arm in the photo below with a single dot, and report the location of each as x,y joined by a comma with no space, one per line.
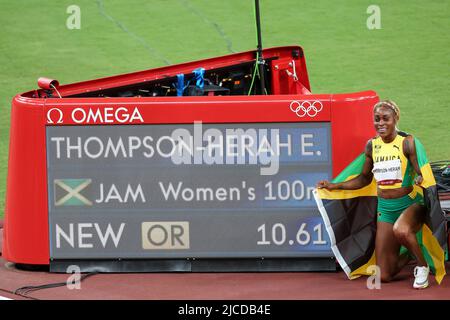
362,180
409,149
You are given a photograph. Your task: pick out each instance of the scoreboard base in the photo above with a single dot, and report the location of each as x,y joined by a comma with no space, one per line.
198,265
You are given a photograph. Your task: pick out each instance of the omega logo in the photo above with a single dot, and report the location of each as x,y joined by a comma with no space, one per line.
53,115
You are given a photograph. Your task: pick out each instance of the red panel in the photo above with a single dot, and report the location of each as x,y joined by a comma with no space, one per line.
351,126
25,237
287,77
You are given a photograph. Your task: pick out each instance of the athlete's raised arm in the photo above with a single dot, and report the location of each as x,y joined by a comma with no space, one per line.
362,180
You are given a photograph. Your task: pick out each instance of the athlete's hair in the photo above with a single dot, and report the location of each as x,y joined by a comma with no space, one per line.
390,105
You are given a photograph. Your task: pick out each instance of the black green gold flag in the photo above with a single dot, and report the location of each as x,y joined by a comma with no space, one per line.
350,219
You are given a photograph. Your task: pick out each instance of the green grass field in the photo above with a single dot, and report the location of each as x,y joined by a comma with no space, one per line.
407,60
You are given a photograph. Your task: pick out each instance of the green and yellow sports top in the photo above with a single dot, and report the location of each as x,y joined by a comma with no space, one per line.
391,168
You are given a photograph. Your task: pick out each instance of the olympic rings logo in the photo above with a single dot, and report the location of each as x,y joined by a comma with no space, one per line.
306,108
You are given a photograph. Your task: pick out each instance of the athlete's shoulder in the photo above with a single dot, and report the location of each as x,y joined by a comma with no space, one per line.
368,148
408,143
407,137
370,142
405,134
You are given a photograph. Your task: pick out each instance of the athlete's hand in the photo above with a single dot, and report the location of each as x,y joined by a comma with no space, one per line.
325,184
418,180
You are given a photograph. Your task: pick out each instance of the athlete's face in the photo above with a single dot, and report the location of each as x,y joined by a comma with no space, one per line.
384,121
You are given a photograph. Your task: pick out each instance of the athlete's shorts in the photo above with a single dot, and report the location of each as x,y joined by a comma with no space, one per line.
389,210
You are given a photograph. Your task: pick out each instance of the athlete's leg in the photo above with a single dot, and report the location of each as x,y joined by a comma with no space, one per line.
387,250
406,227
402,261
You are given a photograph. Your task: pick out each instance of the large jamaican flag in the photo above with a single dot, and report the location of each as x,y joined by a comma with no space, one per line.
350,220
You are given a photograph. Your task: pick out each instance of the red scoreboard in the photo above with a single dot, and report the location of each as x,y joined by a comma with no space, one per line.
188,167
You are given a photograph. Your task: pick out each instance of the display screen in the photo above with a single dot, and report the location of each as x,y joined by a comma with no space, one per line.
187,191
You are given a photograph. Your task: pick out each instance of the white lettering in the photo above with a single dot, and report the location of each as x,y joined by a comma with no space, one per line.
136,116
106,115
82,235
115,149
86,148
214,146
58,145
85,232
146,144
109,233
134,144
70,239
122,116
200,194
96,116
76,147
172,150
109,115
114,194
78,119
307,144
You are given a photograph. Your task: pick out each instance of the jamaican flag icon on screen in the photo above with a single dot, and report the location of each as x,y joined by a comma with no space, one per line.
350,220
68,192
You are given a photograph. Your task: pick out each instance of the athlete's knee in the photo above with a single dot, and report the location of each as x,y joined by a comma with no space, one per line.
402,233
